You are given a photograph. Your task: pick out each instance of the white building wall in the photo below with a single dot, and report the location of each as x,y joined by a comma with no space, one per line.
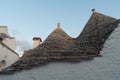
9,56
10,42
3,29
7,48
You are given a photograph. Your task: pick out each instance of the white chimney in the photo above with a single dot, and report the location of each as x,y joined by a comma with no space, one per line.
36,41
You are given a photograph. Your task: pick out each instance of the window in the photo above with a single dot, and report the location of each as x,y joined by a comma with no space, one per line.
2,63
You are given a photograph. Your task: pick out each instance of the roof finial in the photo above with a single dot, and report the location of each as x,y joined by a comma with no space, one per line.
93,10
58,25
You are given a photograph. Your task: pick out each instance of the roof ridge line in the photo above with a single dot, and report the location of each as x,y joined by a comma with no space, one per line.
104,15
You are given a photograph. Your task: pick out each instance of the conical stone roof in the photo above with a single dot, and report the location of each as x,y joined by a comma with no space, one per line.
96,31
57,40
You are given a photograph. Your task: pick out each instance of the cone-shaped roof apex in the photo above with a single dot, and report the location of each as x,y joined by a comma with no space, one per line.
58,26
57,40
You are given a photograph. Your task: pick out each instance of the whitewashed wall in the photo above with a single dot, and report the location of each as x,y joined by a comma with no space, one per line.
9,56
10,42
3,29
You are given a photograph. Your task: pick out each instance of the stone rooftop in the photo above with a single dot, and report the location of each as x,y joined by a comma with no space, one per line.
59,46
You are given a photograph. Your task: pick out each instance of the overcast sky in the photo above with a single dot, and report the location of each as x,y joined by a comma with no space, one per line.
29,18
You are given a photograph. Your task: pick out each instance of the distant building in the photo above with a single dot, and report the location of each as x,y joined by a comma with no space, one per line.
7,48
